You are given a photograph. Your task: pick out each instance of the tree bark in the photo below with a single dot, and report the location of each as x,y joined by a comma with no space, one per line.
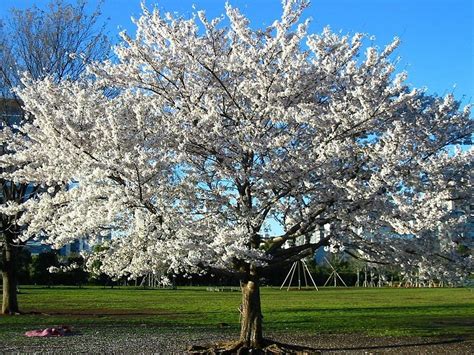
10,301
251,334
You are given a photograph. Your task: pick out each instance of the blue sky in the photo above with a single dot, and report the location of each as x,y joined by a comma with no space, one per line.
437,36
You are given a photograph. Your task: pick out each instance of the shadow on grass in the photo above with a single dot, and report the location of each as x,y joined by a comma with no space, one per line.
376,309
393,311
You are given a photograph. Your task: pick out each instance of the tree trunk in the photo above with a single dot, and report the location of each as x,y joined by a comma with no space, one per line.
10,301
251,335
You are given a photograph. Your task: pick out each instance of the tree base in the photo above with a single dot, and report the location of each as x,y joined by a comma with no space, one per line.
17,313
236,347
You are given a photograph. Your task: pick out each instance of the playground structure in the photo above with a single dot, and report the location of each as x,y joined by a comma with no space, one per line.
415,280
301,268
376,277
373,277
368,275
334,276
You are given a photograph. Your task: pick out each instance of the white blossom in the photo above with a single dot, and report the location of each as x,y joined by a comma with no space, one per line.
213,134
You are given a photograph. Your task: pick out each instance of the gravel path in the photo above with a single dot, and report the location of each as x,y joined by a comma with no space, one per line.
149,341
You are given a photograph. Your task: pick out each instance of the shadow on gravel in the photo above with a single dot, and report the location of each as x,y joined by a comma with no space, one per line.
395,346
276,347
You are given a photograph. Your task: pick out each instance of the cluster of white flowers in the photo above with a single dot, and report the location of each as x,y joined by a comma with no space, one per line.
201,135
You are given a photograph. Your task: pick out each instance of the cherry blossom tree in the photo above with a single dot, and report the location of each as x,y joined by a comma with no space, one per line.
225,148
56,42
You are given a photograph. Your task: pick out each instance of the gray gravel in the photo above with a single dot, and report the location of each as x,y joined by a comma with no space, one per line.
149,340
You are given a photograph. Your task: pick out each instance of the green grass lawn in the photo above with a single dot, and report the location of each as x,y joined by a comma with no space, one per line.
395,312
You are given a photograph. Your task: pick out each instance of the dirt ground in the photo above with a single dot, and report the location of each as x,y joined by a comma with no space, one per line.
133,342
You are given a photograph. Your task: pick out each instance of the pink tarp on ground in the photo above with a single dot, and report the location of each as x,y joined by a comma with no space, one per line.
50,332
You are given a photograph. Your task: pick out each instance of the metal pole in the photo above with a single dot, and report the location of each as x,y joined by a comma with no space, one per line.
340,278
303,264
293,274
287,275
365,277
329,278
299,275
310,276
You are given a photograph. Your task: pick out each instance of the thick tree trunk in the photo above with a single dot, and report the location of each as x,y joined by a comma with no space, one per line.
10,301
251,334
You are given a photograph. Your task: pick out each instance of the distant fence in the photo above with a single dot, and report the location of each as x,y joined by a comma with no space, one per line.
223,289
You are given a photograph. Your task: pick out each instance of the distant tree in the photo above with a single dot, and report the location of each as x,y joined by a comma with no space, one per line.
24,265
219,133
75,273
55,43
40,268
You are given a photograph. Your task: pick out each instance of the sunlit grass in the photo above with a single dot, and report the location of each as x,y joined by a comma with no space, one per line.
447,311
